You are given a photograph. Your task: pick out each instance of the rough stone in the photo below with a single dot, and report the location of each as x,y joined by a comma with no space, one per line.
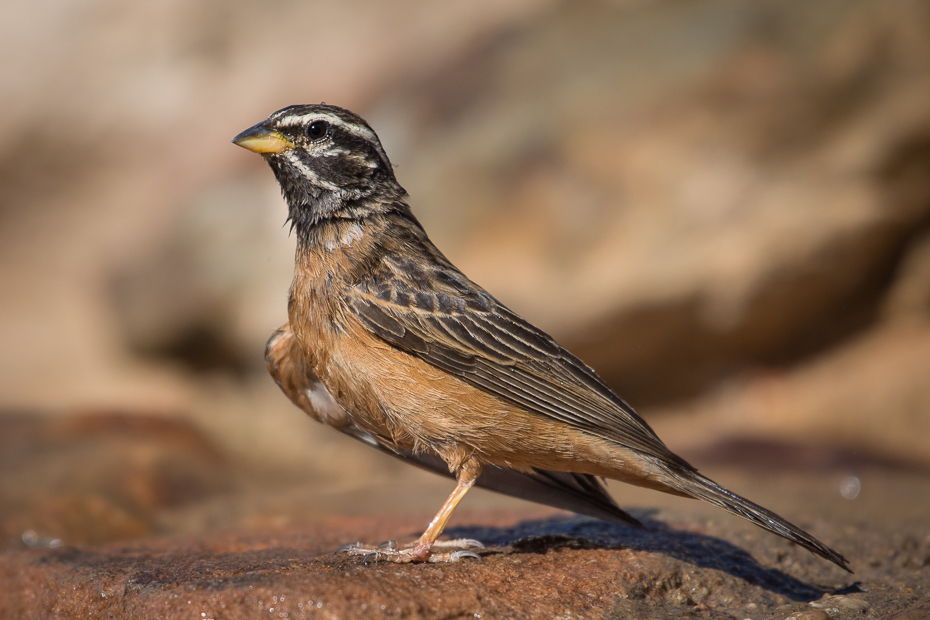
919,611
532,569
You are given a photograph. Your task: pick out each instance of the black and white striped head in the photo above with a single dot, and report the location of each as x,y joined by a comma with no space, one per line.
328,161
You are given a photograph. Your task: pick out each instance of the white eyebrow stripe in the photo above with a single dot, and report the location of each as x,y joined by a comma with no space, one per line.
332,119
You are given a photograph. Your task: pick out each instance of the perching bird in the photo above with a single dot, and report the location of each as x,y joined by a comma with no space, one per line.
390,343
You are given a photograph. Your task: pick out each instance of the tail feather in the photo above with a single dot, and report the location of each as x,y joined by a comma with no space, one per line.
695,485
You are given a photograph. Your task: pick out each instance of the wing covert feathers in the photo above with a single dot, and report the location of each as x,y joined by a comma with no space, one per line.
476,338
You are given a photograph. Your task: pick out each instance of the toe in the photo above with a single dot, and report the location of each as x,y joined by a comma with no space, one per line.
460,543
455,556
348,548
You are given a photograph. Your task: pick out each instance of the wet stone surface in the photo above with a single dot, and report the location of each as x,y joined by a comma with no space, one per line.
559,567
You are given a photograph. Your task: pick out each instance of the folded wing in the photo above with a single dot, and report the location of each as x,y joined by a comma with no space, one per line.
432,311
579,493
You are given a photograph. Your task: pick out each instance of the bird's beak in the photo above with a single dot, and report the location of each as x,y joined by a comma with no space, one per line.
261,139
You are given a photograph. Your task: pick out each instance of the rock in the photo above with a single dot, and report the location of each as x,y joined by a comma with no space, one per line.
99,476
291,573
809,614
698,206
835,605
919,611
204,295
909,299
868,395
133,537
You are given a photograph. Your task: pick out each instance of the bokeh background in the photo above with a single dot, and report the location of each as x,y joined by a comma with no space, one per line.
723,206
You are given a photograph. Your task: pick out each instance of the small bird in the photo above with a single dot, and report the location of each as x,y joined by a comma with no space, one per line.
389,343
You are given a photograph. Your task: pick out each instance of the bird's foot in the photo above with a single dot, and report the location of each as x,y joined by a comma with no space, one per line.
418,551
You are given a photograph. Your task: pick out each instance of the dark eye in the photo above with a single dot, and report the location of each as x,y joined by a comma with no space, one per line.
317,129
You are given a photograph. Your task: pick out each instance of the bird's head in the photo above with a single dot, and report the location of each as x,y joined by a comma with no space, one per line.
328,161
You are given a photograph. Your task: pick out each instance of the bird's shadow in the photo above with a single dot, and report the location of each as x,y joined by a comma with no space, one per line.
539,536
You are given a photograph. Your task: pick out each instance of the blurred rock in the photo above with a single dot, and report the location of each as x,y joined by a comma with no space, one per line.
119,116
909,299
747,207
207,293
918,611
682,193
770,455
871,395
728,194
100,476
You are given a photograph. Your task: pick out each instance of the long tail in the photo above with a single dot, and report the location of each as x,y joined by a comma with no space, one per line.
695,485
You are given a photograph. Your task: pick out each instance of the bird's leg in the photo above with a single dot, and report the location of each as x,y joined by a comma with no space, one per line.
421,549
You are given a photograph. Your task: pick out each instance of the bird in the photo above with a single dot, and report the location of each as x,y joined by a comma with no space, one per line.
391,344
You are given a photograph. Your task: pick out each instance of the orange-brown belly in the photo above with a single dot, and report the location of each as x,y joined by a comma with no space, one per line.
391,393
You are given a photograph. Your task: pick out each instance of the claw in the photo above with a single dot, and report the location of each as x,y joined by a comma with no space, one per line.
347,548
453,557
464,553
388,544
470,543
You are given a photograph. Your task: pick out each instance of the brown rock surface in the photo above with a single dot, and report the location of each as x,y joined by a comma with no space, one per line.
551,568
234,542
689,195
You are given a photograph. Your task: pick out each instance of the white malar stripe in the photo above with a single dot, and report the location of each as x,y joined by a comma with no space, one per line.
297,163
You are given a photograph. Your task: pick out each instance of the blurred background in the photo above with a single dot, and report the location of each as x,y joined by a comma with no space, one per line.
723,206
